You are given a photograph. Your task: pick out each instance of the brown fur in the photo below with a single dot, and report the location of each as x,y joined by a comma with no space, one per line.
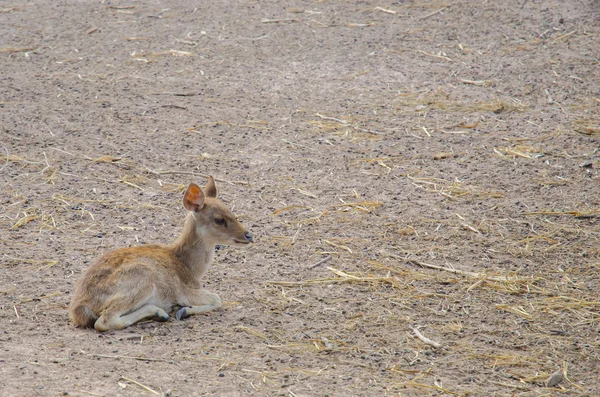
130,284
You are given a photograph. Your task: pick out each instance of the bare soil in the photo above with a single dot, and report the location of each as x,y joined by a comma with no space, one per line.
403,165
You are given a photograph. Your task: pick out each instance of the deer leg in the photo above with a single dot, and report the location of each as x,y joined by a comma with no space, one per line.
122,310
112,320
202,301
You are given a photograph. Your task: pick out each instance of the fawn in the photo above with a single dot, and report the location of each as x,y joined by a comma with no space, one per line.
127,285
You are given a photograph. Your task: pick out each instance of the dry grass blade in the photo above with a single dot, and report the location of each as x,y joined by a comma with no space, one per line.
576,214
251,331
106,159
179,53
290,208
319,263
564,36
266,20
523,151
364,206
480,83
294,346
24,220
360,25
12,50
515,310
387,11
132,358
482,276
140,385
48,263
40,298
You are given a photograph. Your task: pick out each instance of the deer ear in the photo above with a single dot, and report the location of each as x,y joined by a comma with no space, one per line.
193,199
210,189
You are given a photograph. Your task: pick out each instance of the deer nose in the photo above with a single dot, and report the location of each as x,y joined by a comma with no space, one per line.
248,236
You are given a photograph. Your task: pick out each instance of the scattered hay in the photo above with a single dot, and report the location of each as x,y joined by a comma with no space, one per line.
362,206
499,105
587,126
343,278
523,151
452,189
334,124
441,100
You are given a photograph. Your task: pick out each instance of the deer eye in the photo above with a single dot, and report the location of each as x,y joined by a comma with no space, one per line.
219,221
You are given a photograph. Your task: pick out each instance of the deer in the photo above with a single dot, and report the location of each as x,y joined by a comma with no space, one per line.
127,285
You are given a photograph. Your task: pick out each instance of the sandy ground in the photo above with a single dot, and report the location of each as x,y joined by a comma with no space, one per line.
403,165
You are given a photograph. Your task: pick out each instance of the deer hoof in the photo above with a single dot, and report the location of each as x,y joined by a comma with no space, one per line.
162,317
181,313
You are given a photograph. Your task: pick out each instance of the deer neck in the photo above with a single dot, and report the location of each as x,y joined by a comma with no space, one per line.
193,249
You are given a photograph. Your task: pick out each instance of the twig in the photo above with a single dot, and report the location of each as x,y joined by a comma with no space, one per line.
424,339
432,13
265,20
157,172
481,83
385,10
433,55
134,358
140,385
319,263
175,93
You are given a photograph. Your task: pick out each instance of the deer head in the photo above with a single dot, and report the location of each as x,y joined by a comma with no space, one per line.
215,223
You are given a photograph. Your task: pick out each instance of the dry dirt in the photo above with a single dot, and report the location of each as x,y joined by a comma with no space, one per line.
370,147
